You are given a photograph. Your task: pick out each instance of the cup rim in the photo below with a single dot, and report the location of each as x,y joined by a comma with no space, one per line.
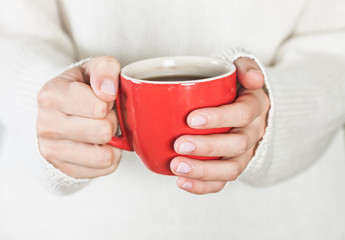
231,69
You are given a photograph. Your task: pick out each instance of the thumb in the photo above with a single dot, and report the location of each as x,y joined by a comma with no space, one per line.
249,73
103,73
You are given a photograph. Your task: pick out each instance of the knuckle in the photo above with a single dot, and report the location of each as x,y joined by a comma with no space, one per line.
105,62
112,115
246,115
235,172
115,163
100,109
107,157
46,151
242,144
44,98
109,59
204,173
107,131
220,119
44,131
113,167
242,61
210,150
72,87
71,74
113,119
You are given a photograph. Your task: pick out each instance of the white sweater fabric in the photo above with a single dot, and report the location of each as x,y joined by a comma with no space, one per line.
294,186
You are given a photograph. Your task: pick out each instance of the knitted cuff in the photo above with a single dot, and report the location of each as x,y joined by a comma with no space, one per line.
76,64
259,164
59,181
56,179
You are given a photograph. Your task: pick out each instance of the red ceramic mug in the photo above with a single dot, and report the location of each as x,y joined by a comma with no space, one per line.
155,97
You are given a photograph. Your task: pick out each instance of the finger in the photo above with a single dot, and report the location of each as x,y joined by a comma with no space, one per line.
247,107
211,170
81,172
200,187
72,98
249,73
62,152
103,73
86,130
214,145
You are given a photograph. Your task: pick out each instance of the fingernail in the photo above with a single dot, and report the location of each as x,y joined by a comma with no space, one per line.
187,147
108,87
187,185
198,120
183,168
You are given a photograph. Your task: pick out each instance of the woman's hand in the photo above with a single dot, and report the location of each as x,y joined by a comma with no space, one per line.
247,117
76,119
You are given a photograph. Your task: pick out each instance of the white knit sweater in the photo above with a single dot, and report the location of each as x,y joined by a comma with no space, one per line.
300,45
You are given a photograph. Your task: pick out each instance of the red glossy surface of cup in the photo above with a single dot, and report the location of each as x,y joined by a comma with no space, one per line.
153,114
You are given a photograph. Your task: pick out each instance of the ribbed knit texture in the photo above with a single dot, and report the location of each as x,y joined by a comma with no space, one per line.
298,44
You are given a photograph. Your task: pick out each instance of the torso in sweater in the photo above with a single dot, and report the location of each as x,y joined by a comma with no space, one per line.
132,30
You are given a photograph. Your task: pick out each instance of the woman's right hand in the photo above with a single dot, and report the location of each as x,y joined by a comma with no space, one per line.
76,119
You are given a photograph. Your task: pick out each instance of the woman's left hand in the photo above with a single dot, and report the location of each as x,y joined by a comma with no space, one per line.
247,117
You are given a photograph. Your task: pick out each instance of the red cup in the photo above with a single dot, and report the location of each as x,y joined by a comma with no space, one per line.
152,114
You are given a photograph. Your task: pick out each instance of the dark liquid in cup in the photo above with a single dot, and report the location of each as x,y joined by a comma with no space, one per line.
176,78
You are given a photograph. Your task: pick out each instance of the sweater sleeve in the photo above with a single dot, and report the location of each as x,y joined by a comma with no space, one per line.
34,48
306,87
